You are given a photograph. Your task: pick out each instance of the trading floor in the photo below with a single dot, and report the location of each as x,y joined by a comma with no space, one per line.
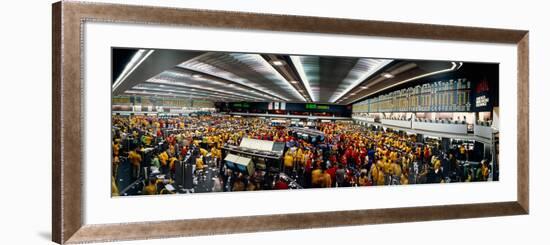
193,154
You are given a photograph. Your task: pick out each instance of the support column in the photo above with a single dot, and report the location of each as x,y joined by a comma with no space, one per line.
420,138
445,144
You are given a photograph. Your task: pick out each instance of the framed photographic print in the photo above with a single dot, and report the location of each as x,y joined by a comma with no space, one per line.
180,122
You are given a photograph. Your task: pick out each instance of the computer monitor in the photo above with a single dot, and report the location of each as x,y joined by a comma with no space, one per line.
242,168
230,165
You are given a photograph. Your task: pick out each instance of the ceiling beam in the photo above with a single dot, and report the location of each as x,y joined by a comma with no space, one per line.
363,70
283,65
165,94
151,65
216,78
299,68
203,90
434,69
394,72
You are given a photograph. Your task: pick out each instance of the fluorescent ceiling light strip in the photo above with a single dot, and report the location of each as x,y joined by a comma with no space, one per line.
205,93
172,83
453,67
180,95
215,94
198,66
250,89
136,60
176,91
141,93
301,72
371,70
261,66
264,63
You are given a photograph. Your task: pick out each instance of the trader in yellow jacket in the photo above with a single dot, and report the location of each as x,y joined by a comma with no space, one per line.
114,188
150,188
163,158
396,169
316,176
374,173
288,161
404,179
135,160
200,163
298,157
378,175
116,147
216,152
325,181
172,161
114,167
381,179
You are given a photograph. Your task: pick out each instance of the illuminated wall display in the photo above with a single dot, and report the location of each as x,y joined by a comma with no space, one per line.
152,101
483,95
310,106
482,101
446,95
241,105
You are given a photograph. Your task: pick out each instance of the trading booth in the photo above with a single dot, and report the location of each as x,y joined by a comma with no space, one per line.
310,135
265,155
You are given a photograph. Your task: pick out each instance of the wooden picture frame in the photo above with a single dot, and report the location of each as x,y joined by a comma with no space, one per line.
68,20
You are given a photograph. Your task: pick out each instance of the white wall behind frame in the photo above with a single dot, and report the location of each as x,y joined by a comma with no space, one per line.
26,214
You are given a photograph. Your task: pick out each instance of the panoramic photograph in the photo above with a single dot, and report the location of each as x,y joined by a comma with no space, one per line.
187,122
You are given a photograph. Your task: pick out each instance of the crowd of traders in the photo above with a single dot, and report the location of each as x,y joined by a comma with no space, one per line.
348,155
